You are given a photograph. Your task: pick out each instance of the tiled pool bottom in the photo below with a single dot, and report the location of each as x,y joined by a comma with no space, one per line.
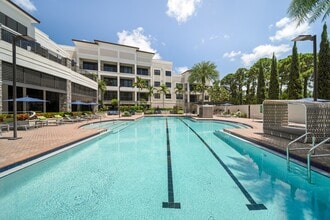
131,174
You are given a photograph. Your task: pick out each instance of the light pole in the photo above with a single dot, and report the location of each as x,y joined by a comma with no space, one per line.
14,40
119,101
311,38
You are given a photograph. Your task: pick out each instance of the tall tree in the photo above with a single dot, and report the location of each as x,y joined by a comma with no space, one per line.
294,86
150,92
163,89
306,72
203,72
102,87
140,84
261,85
240,82
324,66
273,92
179,90
309,10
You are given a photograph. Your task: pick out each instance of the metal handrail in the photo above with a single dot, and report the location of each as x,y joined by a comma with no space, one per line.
309,155
301,148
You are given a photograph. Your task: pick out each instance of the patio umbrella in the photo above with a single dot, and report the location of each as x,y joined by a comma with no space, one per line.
227,104
78,103
26,99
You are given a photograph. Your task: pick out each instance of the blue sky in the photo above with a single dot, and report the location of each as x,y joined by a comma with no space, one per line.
232,34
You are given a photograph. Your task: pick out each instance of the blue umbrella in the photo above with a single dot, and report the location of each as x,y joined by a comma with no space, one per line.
26,99
78,103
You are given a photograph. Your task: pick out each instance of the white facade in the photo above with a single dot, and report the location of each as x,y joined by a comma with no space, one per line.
63,74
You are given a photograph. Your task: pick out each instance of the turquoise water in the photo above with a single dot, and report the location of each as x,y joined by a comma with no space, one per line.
126,175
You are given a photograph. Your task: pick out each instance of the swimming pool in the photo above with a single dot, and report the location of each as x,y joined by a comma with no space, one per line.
164,168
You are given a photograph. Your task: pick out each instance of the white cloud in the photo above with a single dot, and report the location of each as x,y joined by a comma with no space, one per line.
231,55
136,38
264,51
181,69
181,10
26,5
226,36
289,29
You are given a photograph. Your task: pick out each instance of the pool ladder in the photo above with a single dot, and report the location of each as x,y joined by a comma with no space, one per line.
311,151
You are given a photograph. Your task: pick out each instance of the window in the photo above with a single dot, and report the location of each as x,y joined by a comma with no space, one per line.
179,96
110,68
206,97
110,81
109,95
157,96
126,83
89,66
157,83
126,69
126,96
168,84
13,24
142,71
157,72
168,73
168,96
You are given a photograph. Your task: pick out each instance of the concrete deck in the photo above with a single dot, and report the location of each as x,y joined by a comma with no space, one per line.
40,141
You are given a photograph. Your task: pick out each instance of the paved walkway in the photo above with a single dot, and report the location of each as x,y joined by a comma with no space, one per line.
39,141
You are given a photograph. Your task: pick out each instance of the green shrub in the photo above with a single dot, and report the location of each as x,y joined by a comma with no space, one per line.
126,114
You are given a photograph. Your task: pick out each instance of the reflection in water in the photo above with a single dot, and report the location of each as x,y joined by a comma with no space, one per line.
273,180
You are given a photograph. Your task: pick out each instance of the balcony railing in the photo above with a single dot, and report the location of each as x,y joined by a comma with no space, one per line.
35,47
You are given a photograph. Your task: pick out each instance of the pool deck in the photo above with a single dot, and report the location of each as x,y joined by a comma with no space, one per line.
36,142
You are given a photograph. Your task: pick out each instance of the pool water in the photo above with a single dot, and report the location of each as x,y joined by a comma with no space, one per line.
164,168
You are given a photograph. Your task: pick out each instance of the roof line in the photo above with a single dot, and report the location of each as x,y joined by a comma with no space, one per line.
101,41
83,41
22,10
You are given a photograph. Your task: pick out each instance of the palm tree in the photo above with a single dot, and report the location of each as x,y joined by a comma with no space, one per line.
303,10
140,84
151,90
102,87
179,89
163,89
201,73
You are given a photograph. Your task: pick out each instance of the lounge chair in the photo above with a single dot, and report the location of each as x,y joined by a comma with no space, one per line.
42,120
67,118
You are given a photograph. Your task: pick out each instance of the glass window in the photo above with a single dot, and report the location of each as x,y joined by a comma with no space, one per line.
142,71
156,83
110,68
168,73
168,84
110,81
126,96
157,72
126,69
109,95
2,18
126,83
11,23
157,96
179,96
168,96
89,66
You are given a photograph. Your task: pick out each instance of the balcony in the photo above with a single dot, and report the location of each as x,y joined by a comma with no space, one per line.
34,47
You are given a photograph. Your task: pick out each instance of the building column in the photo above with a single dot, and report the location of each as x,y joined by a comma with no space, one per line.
1,95
65,98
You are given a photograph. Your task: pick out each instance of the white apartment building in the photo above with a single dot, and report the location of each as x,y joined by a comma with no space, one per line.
119,66
63,74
